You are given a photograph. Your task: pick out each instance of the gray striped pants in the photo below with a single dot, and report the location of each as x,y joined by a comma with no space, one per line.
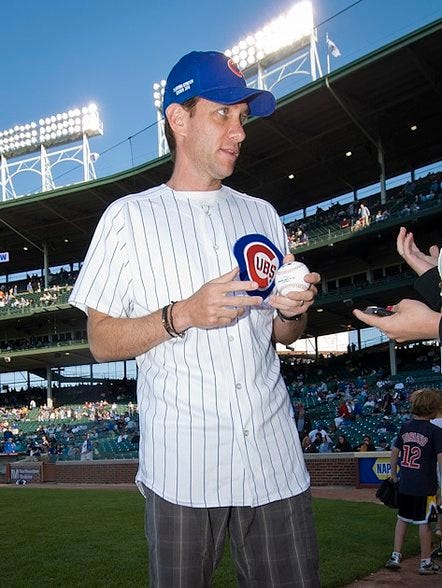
273,545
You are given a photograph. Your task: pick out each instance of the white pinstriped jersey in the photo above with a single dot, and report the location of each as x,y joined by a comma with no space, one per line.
216,422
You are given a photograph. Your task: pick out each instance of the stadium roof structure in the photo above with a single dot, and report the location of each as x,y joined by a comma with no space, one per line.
373,100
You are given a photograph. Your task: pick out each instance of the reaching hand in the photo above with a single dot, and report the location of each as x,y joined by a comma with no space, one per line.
412,320
416,259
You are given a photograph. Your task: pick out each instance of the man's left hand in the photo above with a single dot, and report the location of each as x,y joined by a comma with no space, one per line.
296,303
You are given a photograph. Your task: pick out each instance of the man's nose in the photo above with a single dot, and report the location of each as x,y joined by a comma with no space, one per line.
237,132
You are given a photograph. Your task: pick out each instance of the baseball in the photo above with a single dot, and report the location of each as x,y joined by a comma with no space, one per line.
290,278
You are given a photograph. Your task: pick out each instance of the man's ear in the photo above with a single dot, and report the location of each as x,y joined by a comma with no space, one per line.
176,115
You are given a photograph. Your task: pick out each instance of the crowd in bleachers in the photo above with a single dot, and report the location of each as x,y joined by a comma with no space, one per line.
341,403
349,399
36,431
357,215
30,292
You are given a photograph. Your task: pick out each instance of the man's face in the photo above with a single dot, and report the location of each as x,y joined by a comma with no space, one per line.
214,133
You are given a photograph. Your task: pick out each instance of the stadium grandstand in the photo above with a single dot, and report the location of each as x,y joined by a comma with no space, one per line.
369,131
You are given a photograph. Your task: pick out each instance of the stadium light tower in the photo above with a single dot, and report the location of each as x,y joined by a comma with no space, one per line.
283,48
158,95
53,131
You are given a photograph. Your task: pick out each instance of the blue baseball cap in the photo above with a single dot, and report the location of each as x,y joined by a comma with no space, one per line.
216,77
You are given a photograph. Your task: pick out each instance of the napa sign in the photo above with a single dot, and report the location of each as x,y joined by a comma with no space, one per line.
372,470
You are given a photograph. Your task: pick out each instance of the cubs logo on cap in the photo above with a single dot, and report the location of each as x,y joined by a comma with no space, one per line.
258,259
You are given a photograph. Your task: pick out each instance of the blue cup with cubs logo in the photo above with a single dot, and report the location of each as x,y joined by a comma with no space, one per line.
258,259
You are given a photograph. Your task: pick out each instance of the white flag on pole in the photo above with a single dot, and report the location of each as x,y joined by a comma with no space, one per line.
332,48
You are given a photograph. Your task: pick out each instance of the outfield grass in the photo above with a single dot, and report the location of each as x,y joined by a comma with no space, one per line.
95,538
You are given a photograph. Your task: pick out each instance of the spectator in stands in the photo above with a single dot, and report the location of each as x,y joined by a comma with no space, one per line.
342,445
345,412
326,445
358,225
383,445
406,210
308,446
209,460
364,215
387,401
303,422
10,446
366,445
87,450
435,187
317,441
303,239
378,217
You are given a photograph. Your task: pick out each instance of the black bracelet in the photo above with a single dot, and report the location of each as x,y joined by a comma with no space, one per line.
165,320
177,334
297,317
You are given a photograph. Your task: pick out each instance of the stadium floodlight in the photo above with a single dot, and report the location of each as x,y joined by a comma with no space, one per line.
291,30
73,126
158,96
58,129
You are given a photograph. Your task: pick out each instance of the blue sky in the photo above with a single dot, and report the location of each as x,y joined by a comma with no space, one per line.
58,54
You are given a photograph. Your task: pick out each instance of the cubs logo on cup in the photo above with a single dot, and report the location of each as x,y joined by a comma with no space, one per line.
258,259
262,264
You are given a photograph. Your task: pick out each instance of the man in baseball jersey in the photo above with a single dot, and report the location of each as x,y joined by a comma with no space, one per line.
219,451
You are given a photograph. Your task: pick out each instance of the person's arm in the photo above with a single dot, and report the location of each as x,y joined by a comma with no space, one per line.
412,320
393,463
213,305
112,339
286,331
287,328
427,284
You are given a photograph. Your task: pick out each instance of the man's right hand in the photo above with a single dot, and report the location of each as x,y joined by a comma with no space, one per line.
215,303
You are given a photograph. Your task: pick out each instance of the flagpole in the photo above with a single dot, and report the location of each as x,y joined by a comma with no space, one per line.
328,54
